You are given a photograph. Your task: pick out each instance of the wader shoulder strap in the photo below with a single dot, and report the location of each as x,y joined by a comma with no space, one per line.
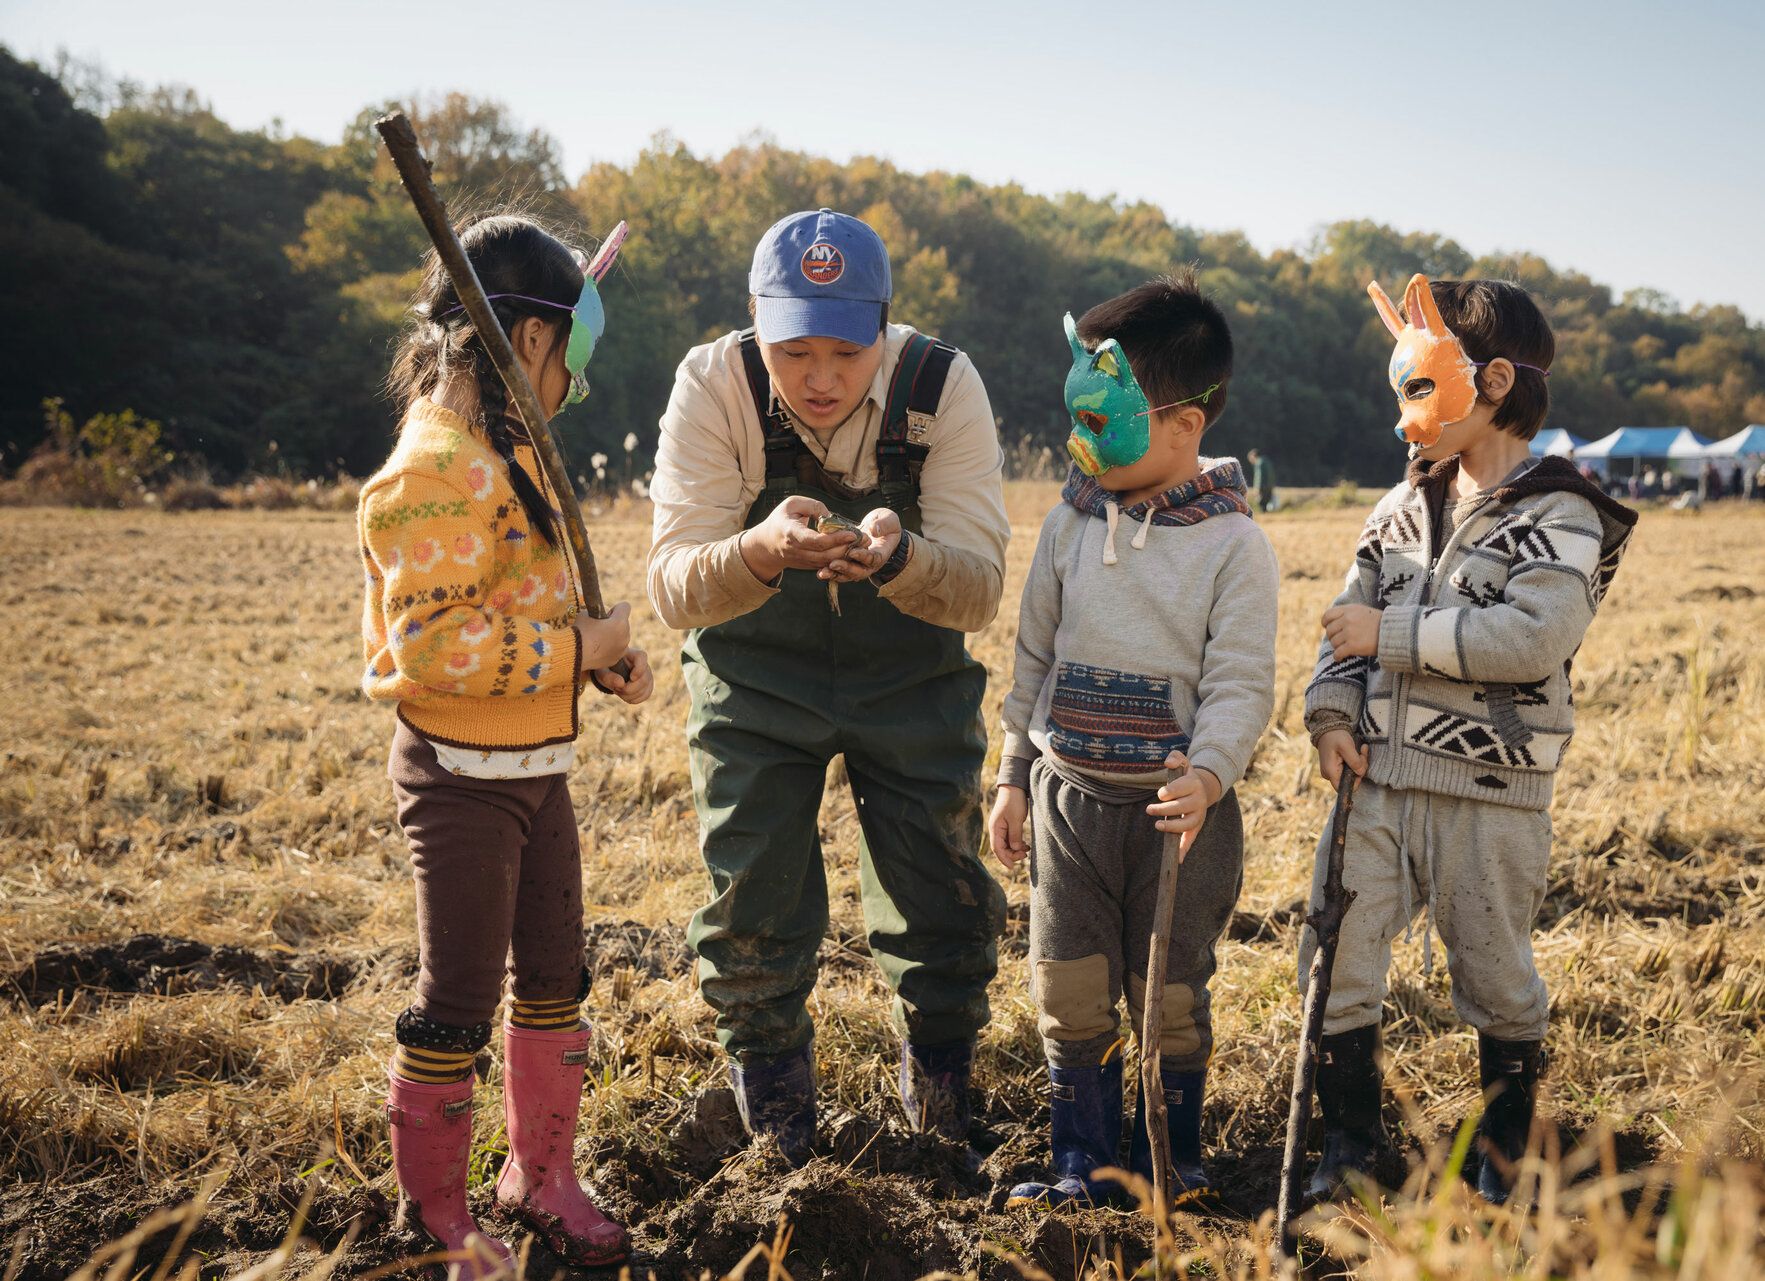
782,442
912,408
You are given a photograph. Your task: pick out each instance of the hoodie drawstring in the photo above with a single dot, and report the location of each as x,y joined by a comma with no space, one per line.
1112,514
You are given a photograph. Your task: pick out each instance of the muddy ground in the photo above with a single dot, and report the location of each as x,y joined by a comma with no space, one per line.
879,1202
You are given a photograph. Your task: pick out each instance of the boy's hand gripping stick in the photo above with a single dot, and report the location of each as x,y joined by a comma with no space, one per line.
413,168
1326,927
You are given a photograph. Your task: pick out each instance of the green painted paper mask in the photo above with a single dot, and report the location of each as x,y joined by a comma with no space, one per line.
1111,417
588,319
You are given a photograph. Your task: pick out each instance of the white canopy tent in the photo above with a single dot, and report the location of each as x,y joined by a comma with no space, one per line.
1748,442
1556,443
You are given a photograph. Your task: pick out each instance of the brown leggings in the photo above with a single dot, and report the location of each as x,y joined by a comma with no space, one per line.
499,885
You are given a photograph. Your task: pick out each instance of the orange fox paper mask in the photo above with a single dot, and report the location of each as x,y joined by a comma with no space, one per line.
1435,381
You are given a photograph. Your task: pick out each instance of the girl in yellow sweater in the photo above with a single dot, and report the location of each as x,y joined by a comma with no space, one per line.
472,625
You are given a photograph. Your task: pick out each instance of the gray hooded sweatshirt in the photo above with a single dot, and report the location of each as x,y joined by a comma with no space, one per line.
1143,631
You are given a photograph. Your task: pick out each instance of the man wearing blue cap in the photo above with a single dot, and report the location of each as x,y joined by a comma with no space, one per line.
825,409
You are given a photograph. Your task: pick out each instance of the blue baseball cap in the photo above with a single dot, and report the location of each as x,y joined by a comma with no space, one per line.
820,274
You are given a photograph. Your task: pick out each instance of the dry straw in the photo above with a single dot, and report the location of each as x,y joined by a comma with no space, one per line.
188,757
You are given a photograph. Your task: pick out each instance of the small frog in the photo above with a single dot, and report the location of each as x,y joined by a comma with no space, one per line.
834,523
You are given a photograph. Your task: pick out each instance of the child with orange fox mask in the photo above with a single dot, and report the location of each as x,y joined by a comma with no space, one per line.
1443,683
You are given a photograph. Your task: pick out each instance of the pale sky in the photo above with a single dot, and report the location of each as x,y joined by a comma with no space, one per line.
1621,139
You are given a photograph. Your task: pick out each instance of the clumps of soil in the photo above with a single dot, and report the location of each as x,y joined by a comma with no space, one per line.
655,951
57,1229
1652,873
168,966
1257,927
879,1200
1721,591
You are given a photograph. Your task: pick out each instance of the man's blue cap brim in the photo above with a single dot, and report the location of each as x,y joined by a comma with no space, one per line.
853,320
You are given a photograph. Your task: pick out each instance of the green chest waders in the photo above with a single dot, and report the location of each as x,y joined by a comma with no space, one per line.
776,694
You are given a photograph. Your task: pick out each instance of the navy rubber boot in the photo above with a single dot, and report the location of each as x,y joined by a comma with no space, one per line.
1183,1095
1511,1069
933,1081
1085,1120
1351,1097
776,1097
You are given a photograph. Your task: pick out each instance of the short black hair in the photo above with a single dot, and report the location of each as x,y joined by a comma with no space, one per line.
1176,340
1498,319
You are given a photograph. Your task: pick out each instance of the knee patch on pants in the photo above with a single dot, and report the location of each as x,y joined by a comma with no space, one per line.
1072,998
1179,1034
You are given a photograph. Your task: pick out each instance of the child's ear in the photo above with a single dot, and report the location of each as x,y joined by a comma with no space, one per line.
530,338
1189,421
1496,380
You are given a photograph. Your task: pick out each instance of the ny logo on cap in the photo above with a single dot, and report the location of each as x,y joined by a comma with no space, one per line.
822,263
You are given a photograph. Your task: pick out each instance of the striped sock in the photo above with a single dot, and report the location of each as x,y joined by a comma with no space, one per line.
547,1016
432,1067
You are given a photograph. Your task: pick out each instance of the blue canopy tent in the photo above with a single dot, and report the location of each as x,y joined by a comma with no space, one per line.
1748,441
1632,442
1635,445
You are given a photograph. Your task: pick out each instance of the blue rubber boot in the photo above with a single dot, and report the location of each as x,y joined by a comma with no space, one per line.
776,1097
933,1081
1183,1095
1085,1120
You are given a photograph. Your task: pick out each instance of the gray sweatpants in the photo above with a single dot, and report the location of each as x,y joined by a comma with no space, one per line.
1479,869
1093,895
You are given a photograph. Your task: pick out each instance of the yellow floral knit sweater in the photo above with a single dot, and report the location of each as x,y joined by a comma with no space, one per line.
466,621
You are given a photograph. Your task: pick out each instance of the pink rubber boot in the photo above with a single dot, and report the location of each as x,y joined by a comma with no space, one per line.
431,1141
542,1092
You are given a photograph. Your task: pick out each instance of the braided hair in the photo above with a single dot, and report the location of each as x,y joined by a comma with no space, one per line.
512,254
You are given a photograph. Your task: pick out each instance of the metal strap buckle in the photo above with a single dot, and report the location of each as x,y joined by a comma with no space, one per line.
918,425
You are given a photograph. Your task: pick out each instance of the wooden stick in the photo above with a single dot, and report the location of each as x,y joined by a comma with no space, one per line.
1176,844
413,167
1326,927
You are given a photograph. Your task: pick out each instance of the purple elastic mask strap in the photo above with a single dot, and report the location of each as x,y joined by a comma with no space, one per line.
1517,364
543,302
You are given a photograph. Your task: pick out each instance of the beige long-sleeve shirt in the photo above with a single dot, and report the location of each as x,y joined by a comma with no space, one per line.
711,465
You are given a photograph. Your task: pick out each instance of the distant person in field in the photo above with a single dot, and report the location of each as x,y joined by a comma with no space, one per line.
1442,682
472,627
829,521
1138,654
1262,479
1709,483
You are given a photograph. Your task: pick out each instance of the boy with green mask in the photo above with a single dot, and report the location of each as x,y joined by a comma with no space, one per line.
1134,660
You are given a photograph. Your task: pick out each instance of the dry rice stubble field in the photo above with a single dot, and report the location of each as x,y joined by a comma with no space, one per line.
206,925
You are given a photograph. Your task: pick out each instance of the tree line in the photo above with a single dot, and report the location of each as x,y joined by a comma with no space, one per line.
243,287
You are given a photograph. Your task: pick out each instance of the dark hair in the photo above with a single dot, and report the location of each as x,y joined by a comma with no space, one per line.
754,306
1176,340
1498,319
512,254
